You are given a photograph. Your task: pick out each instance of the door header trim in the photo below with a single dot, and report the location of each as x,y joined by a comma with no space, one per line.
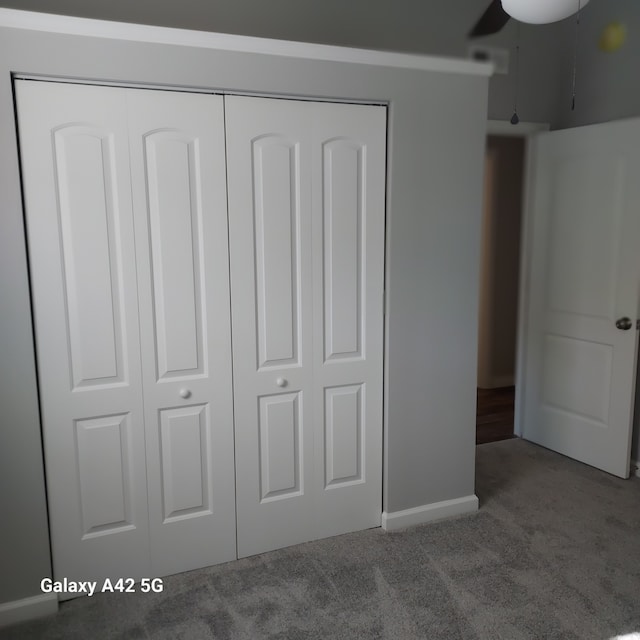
70,25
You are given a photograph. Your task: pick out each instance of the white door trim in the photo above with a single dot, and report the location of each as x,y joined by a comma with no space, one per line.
70,25
528,131
189,89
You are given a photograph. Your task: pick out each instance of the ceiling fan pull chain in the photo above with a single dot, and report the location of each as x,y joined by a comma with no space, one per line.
515,119
575,57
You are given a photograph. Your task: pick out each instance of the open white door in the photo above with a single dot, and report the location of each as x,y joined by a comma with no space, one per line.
581,293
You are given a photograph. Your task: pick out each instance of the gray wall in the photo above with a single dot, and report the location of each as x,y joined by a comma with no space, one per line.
24,538
607,83
436,141
417,26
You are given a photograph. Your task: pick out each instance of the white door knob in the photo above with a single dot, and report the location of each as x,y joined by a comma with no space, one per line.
185,393
281,382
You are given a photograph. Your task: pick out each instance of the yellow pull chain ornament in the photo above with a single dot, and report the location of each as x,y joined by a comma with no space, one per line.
613,37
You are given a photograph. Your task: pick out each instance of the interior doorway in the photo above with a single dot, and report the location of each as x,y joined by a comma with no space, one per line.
502,216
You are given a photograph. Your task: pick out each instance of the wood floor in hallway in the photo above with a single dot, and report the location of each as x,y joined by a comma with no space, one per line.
494,414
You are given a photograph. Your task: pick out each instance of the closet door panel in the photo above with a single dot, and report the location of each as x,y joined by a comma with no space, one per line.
75,170
268,146
349,159
185,448
342,247
179,195
174,180
343,422
276,166
105,483
83,162
279,442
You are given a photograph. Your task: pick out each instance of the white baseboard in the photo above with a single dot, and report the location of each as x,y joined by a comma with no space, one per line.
428,513
28,608
635,468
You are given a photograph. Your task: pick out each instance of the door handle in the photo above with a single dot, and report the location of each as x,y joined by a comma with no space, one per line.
624,324
281,382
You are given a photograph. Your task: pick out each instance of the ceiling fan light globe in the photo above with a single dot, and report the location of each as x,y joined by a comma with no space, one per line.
542,11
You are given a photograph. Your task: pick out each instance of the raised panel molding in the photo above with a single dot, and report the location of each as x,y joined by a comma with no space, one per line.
102,445
276,174
88,211
571,370
344,167
344,430
280,446
185,462
586,253
175,223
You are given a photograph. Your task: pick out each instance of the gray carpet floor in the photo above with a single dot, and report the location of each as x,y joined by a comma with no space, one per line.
554,552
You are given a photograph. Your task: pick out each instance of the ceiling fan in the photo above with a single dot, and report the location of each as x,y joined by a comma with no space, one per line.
499,12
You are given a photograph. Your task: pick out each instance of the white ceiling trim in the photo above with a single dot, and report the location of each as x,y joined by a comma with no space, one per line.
68,25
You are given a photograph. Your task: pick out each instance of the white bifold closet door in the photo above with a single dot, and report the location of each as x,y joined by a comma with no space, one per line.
126,207
306,221
126,213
